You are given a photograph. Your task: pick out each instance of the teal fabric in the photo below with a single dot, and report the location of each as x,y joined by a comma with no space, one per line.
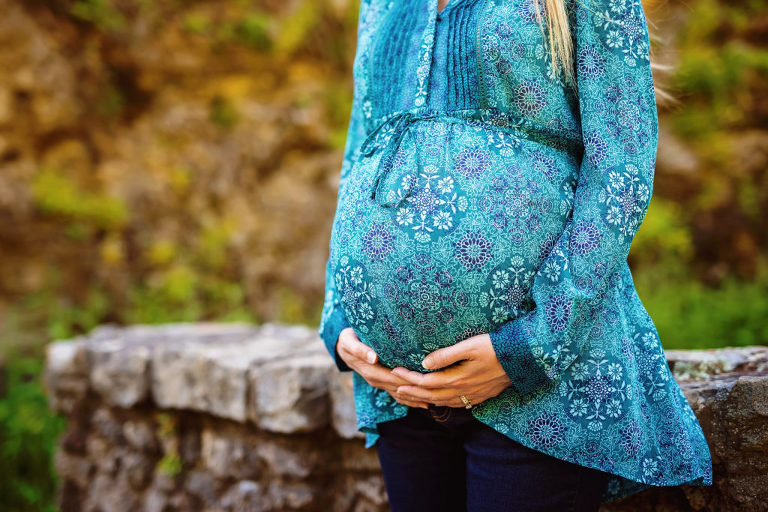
481,193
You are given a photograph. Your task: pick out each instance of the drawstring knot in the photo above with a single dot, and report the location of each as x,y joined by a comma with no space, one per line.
400,123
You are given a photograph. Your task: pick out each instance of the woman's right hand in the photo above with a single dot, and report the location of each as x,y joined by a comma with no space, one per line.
362,359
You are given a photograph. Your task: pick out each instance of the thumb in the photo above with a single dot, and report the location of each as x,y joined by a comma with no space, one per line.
363,351
444,357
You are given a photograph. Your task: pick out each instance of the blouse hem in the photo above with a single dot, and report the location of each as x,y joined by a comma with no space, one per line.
624,484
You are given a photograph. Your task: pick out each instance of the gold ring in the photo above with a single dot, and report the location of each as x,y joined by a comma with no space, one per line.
467,403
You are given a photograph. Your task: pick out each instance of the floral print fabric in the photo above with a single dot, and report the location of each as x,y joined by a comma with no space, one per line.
480,193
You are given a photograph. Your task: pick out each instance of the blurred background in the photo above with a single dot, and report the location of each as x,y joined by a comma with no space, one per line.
178,160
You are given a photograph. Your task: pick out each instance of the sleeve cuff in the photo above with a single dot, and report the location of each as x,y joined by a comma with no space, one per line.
514,353
330,331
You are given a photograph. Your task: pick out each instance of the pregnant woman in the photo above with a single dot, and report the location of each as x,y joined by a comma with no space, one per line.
499,161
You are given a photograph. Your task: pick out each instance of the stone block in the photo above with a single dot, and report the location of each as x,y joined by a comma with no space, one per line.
210,373
230,453
65,378
343,416
291,394
119,369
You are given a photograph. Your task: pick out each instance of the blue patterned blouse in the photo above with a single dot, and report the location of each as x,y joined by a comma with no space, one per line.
480,193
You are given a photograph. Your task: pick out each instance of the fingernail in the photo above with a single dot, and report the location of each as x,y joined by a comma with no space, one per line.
426,363
371,357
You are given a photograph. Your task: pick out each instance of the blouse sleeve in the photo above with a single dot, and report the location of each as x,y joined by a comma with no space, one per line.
575,288
333,320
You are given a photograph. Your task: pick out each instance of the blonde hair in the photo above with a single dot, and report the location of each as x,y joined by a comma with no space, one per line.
561,45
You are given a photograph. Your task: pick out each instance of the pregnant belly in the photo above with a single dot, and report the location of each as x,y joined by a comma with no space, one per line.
457,256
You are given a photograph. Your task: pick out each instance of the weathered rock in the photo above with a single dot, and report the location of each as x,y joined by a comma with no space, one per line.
205,371
114,491
138,470
230,453
702,364
108,426
297,496
155,501
77,469
343,405
246,495
291,395
66,375
355,457
140,436
290,457
202,484
119,370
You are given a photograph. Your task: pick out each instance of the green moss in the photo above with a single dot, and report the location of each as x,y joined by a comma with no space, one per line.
166,424
170,464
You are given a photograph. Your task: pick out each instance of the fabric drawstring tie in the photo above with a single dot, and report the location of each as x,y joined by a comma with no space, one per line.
400,123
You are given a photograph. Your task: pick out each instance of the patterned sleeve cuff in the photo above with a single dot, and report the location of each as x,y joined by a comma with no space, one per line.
330,331
514,354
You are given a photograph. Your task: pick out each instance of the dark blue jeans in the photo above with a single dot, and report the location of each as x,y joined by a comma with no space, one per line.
445,459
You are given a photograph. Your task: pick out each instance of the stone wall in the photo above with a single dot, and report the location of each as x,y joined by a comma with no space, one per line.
237,417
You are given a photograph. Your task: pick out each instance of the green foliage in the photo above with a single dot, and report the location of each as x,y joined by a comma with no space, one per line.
99,12
223,112
717,68
169,295
245,26
180,294
292,306
28,434
70,319
716,80
198,23
296,27
59,195
253,30
111,103
749,199
338,103
690,315
212,244
664,237
47,314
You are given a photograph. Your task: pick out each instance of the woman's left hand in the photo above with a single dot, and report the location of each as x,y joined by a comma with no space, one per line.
478,377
